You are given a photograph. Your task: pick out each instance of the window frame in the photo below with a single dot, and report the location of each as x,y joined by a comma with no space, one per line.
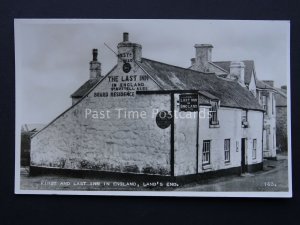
227,150
206,154
213,113
244,118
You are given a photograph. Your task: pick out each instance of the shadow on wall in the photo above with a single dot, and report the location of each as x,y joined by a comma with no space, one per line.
282,143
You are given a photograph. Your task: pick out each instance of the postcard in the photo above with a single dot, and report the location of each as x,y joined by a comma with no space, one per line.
186,108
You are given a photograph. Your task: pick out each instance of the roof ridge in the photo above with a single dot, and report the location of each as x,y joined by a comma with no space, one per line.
194,71
220,61
252,60
177,66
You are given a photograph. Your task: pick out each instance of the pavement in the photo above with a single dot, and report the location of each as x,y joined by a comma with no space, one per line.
273,178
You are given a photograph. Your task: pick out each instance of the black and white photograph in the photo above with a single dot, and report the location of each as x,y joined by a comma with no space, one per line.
197,108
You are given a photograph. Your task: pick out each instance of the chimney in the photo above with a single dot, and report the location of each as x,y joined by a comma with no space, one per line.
95,66
237,72
203,57
193,60
129,52
125,37
269,82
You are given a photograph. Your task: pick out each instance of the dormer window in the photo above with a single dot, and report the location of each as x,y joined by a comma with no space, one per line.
244,119
213,114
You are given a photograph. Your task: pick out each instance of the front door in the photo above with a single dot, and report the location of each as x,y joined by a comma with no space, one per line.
243,157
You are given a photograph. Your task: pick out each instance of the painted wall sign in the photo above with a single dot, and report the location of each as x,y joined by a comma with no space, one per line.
163,119
124,86
126,57
188,102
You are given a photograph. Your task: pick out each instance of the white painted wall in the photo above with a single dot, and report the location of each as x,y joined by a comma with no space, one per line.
230,128
185,139
254,131
77,141
270,126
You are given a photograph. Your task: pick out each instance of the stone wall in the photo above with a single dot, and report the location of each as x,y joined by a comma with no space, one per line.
85,137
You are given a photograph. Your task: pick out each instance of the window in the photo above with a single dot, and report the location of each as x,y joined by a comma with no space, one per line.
213,113
244,118
264,103
227,150
254,148
206,153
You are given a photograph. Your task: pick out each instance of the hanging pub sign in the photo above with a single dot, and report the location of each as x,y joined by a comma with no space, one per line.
188,102
126,67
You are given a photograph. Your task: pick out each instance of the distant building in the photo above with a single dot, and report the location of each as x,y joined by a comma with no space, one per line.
27,130
266,96
281,118
195,123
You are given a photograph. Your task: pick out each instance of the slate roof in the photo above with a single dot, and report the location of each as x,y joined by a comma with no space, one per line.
249,68
229,92
170,77
83,89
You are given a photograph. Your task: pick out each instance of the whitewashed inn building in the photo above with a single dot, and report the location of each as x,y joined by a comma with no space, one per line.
197,122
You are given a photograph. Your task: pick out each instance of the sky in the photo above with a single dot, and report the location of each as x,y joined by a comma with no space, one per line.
52,56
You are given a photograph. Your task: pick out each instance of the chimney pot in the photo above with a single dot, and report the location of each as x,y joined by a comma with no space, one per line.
193,60
283,87
125,37
95,66
95,54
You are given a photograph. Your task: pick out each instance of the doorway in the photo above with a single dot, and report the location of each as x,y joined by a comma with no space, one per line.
243,156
